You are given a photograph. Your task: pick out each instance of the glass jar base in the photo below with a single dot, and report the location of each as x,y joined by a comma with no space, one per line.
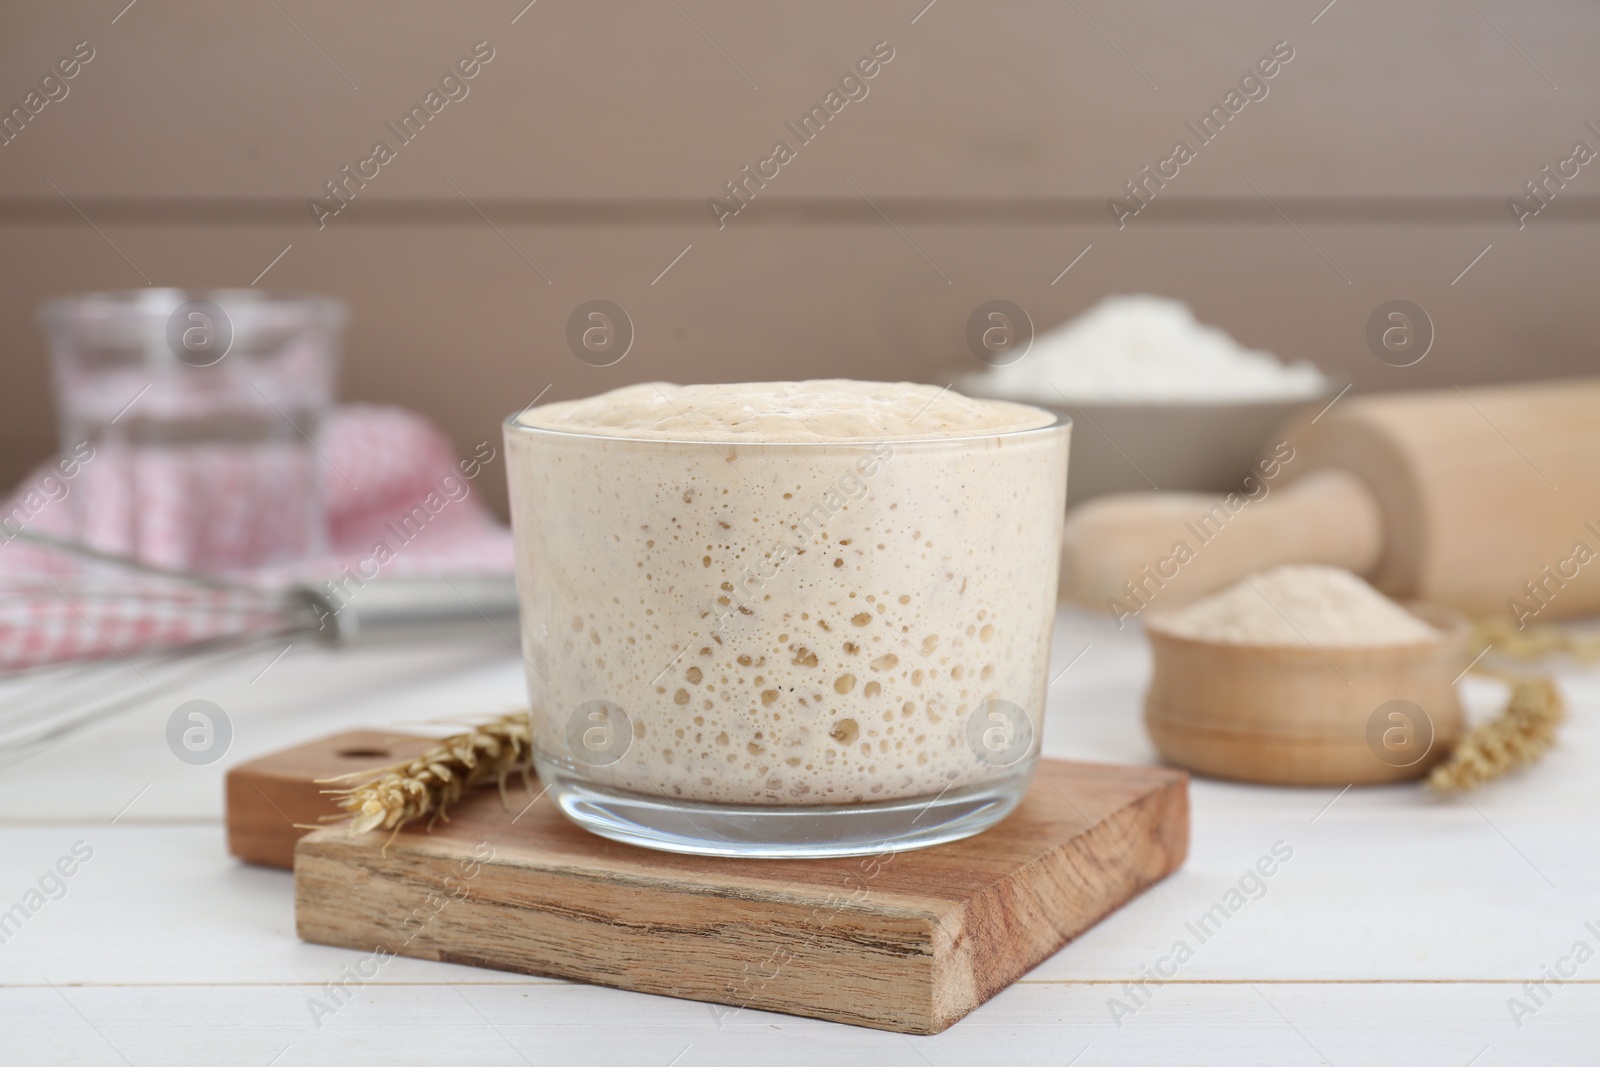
769,832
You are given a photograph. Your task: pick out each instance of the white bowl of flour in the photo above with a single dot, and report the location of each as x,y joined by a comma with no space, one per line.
1159,399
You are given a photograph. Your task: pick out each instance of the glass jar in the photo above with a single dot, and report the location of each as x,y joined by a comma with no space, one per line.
194,420
787,649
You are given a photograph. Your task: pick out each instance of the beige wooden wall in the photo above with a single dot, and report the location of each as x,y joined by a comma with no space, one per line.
978,166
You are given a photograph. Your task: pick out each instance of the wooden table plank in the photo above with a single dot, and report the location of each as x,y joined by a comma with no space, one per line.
1397,931
1093,714
1029,1025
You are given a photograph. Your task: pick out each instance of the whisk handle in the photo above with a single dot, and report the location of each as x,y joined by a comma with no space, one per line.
393,604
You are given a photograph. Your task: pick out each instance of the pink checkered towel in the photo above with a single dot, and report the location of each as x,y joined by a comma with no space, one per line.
392,480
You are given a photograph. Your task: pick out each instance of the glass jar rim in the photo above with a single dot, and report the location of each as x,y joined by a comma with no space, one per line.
1059,422
158,302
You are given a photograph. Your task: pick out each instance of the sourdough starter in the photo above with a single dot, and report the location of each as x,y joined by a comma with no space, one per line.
798,592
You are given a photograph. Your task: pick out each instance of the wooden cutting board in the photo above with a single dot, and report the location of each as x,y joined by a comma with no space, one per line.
909,941
272,798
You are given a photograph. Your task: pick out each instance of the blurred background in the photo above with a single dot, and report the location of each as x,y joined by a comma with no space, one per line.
978,166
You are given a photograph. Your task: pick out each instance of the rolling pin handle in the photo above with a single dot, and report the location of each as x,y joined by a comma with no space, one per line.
1126,552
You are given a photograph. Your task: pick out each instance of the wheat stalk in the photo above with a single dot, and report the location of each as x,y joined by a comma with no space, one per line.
1519,736
1536,642
392,797
1526,729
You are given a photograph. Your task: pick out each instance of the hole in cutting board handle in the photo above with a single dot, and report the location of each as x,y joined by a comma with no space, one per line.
363,753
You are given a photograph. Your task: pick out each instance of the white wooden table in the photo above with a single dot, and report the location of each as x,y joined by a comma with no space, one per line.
1397,932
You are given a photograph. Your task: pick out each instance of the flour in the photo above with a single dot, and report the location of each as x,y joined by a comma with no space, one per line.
1133,349
1297,605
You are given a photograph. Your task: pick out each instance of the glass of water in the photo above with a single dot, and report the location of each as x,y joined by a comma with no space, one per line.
192,422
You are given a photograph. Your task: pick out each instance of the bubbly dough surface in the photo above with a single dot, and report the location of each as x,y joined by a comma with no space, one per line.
786,625
819,410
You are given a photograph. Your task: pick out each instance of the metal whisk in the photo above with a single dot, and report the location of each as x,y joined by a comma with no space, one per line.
41,704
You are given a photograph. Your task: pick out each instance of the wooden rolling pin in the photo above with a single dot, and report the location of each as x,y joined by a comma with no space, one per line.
1486,500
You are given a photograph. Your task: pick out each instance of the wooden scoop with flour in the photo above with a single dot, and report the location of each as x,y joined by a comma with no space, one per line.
1482,499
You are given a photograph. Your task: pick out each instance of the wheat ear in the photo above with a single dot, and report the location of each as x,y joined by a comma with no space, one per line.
1537,641
1526,730
1519,736
392,797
